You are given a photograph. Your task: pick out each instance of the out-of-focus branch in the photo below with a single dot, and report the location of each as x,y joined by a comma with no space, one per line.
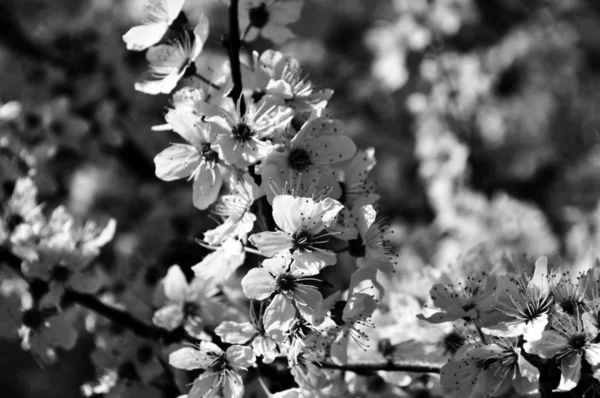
113,314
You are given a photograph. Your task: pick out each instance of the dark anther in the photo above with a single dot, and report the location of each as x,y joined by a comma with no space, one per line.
259,16
299,159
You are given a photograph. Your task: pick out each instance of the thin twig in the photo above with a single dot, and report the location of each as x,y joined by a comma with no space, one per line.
398,366
207,81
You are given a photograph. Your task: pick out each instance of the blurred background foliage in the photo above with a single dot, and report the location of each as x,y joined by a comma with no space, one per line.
483,113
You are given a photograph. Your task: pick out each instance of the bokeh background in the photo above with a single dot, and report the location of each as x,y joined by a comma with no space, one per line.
484,115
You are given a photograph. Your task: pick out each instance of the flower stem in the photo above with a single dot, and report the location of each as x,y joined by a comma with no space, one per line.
398,366
207,81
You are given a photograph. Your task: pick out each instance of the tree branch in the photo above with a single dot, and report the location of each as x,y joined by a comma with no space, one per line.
156,333
111,313
398,366
234,51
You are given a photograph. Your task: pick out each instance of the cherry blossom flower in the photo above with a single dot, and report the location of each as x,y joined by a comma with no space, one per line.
568,294
356,193
351,316
187,303
159,15
375,249
65,232
234,208
198,159
310,155
470,301
244,139
252,332
304,357
21,215
171,61
489,371
302,222
269,18
41,331
62,270
527,302
293,290
288,82
569,340
134,359
221,377
220,265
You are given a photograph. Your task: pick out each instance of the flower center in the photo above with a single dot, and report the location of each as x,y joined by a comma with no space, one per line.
285,282
190,68
453,341
299,159
13,221
219,364
536,307
259,16
257,95
302,239
60,273
209,154
242,132
337,312
570,305
191,309
356,247
577,342
32,319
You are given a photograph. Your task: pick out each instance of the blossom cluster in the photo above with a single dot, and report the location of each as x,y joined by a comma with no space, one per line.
58,255
288,184
536,319
297,286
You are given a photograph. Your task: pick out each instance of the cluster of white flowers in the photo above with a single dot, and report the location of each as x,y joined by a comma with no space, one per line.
534,320
298,288
58,254
287,184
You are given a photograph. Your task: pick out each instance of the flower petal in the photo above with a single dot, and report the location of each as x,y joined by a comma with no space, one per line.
207,185
169,317
277,34
175,284
142,37
279,318
258,284
235,332
240,356
592,354
548,346
189,358
176,162
570,367
271,243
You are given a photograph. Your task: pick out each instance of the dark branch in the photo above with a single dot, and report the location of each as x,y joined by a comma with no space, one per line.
207,81
155,333
234,51
398,366
114,314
